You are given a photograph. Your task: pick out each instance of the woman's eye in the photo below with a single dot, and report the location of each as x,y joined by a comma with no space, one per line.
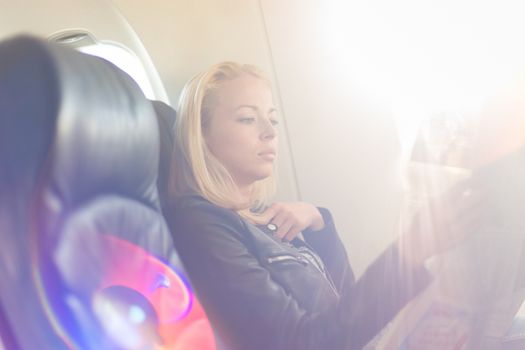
274,122
247,120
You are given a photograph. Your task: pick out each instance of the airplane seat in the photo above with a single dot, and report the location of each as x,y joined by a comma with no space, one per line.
166,119
86,258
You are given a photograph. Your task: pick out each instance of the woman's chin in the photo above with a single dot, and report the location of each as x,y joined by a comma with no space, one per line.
256,175
264,175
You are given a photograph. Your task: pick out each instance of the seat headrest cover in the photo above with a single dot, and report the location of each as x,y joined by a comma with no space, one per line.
107,132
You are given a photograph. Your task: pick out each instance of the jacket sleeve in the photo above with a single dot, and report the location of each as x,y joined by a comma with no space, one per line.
378,295
386,286
328,246
243,303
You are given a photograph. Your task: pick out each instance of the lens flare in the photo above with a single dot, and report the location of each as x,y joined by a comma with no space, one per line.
136,302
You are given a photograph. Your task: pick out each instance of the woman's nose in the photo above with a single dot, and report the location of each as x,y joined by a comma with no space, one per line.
269,130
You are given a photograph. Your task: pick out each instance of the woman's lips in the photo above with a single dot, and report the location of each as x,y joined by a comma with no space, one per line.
269,156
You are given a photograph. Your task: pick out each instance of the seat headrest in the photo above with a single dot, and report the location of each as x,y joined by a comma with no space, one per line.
106,131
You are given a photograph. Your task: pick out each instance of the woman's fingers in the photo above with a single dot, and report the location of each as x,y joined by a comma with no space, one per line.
284,229
292,233
285,219
265,217
289,219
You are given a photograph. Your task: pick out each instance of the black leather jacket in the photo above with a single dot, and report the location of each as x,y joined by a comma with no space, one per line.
260,294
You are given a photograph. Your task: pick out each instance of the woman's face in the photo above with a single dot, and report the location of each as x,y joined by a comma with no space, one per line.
241,132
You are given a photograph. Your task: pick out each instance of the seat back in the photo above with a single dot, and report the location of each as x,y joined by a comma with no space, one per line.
86,259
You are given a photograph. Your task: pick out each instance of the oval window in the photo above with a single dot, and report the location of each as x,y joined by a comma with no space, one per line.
114,52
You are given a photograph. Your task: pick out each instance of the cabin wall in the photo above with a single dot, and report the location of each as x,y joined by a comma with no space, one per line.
342,134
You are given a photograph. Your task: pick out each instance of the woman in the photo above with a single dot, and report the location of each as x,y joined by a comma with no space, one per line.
264,287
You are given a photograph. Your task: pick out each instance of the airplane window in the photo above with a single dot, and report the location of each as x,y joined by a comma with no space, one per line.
125,60
114,52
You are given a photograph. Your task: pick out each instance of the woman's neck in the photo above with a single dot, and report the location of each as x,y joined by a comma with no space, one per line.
244,195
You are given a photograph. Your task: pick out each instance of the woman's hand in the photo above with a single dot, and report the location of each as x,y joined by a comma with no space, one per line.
291,218
443,222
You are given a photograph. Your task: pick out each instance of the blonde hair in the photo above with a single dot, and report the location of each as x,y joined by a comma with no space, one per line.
194,168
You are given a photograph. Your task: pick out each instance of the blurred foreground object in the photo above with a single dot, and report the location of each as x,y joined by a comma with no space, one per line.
86,259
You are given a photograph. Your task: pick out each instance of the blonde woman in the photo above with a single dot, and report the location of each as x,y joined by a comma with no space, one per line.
261,285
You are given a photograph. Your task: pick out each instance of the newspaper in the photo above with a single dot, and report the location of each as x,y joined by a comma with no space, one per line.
479,286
